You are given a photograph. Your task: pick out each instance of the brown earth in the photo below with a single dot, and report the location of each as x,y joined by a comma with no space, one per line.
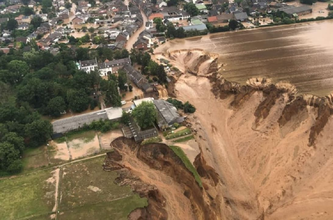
269,145
156,172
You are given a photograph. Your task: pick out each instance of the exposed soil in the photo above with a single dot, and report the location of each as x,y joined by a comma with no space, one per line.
155,172
269,145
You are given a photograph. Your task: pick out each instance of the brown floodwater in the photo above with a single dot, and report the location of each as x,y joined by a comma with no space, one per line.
301,54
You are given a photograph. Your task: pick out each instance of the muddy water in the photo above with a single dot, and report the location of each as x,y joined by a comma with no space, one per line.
301,54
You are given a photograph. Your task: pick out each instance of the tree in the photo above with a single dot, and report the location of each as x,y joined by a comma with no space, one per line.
159,24
112,96
84,29
15,140
91,30
238,2
12,24
188,108
36,21
233,24
308,2
46,4
145,115
8,155
122,80
27,11
56,106
191,9
172,2
78,100
38,132
68,5
125,118
17,70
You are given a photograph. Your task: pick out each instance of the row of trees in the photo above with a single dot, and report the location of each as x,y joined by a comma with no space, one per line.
38,83
186,107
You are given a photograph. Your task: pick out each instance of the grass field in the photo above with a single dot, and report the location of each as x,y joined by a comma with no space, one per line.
183,132
35,157
184,139
27,196
180,153
89,191
152,140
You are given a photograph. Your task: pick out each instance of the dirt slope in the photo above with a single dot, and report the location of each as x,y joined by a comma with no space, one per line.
271,147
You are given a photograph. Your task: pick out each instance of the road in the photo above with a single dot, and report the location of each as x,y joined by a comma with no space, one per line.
135,36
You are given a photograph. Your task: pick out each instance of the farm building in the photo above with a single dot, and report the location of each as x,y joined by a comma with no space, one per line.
296,11
72,123
167,114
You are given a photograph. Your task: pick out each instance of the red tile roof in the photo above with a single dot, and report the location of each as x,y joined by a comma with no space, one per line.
156,15
212,19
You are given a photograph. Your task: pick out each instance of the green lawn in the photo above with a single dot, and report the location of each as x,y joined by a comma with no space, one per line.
26,195
89,191
152,140
184,139
35,157
180,153
183,132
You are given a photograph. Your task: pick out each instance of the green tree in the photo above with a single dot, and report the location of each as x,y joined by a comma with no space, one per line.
46,4
112,96
159,25
191,9
56,106
27,11
17,70
145,115
125,118
78,100
188,108
233,24
14,139
38,132
8,155
12,24
91,30
36,21
308,2
68,5
122,80
239,2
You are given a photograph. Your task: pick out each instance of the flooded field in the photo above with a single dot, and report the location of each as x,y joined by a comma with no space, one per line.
301,54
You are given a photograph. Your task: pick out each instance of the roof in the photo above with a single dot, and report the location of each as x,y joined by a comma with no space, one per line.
295,10
139,101
199,27
212,19
118,62
168,112
75,122
196,21
156,15
240,16
201,6
88,62
224,17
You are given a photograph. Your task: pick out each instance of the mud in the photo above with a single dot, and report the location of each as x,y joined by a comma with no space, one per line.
161,160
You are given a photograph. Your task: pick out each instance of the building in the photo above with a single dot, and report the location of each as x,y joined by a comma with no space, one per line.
202,8
199,27
112,66
88,65
138,79
134,131
167,114
241,16
296,11
72,123
224,17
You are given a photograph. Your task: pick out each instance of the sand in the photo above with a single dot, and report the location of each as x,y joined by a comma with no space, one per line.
263,171
107,138
80,148
61,149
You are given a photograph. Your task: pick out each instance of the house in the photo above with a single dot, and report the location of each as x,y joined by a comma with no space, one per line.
75,122
42,16
241,16
199,27
78,20
156,15
134,131
162,4
142,44
3,20
167,114
149,25
123,36
196,21
5,50
31,36
13,8
23,26
296,11
64,14
138,79
173,14
202,8
212,19
31,4
88,65
224,17
21,39
112,66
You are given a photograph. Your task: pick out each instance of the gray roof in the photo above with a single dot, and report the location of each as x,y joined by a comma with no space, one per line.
88,62
295,10
75,122
168,112
198,27
240,16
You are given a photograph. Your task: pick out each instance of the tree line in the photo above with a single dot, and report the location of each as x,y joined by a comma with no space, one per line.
37,83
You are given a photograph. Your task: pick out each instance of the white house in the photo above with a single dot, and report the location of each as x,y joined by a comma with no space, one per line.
88,65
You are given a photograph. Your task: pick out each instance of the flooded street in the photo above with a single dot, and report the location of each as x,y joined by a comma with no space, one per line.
301,54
